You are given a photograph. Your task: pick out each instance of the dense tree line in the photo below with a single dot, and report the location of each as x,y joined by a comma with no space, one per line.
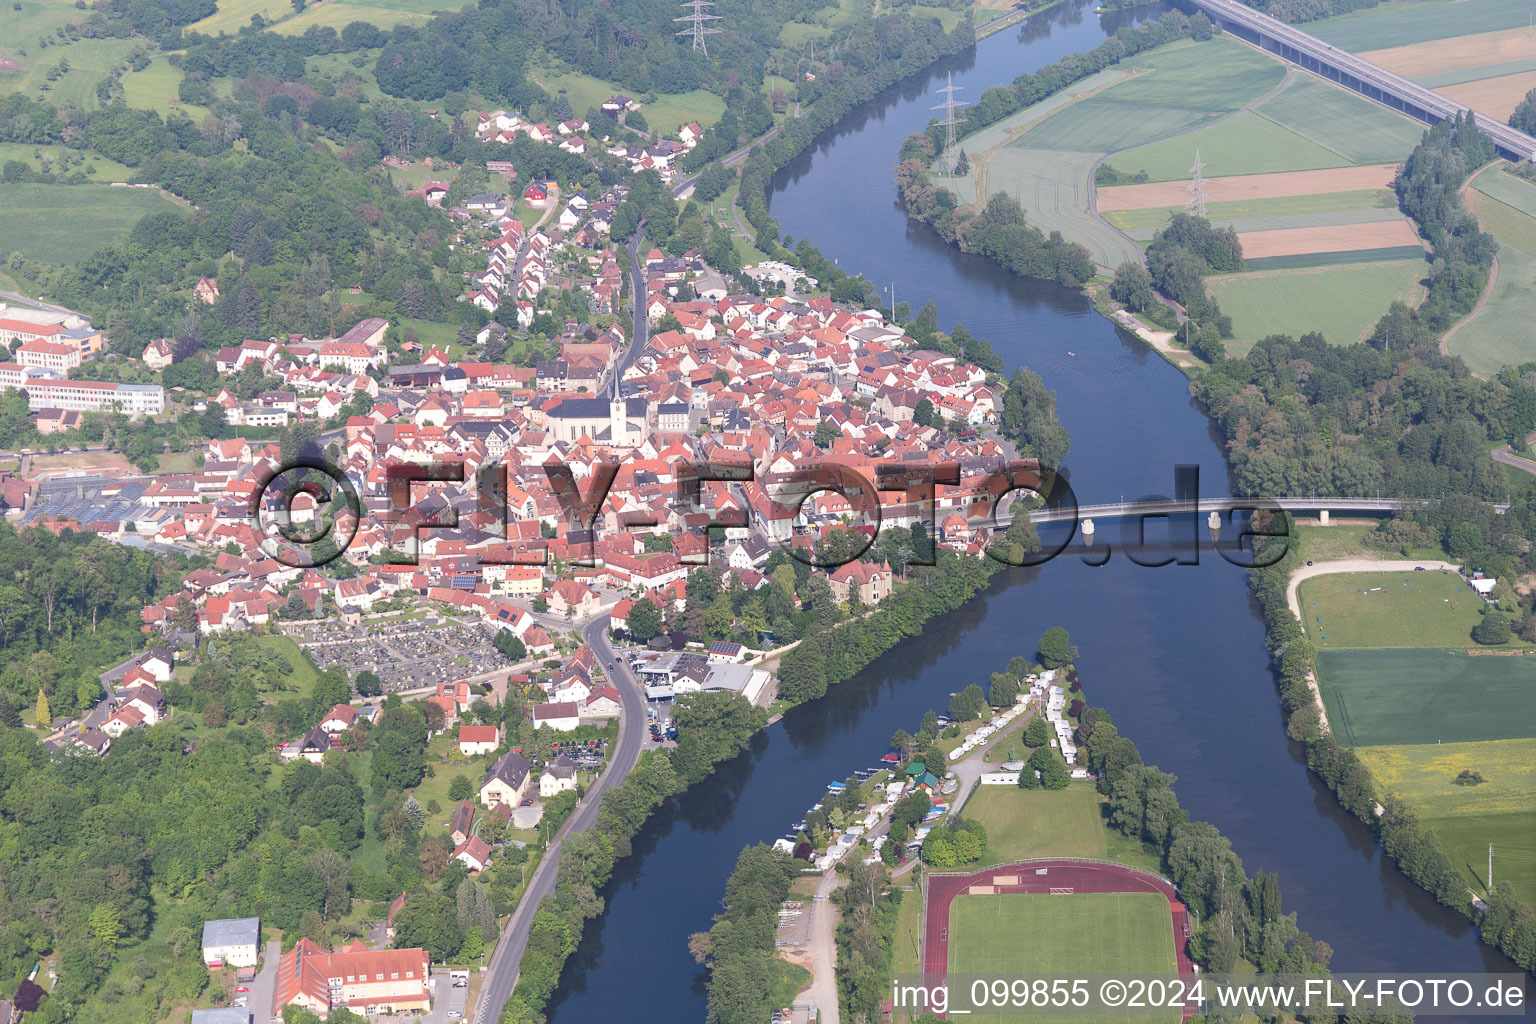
1307,417
1507,924
829,655
1178,259
739,948
712,727
69,606
865,939
1297,11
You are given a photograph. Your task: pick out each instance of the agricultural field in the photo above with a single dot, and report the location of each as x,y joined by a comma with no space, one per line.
1258,234
1500,810
1189,84
1497,96
25,25
1243,144
1343,234
338,14
66,223
1340,301
1425,62
1389,609
1281,211
1342,122
1027,824
90,61
1118,934
1054,189
1389,697
1406,22
1499,333
1251,187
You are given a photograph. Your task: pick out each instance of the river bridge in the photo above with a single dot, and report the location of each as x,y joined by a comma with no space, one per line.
1194,506
1350,71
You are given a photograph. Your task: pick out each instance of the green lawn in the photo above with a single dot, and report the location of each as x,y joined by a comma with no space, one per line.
1389,609
1243,144
1025,824
155,88
1342,302
1342,122
1390,697
66,223
1120,934
444,762
1418,21
1342,540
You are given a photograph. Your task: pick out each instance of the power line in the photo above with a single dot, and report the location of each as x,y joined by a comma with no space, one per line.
947,159
697,29
1196,190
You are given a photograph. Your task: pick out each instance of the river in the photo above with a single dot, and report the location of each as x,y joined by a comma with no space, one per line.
1175,653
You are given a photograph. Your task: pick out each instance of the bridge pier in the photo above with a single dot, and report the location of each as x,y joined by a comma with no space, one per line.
1322,517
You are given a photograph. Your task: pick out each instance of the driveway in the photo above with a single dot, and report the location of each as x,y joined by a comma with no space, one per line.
264,988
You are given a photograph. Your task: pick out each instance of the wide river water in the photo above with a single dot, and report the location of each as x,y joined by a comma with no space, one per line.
1175,653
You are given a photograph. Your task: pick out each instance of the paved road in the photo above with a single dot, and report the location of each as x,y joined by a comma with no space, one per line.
640,329
264,989
1509,458
501,976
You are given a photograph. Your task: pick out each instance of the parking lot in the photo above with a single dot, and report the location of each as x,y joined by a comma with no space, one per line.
406,655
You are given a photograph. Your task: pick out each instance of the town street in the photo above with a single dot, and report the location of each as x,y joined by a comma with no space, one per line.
501,976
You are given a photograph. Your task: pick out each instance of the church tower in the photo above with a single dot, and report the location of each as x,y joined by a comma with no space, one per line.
618,422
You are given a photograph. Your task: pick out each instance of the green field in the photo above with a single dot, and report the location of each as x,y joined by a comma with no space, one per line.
66,223
1119,934
1252,209
1417,21
95,166
1463,75
1465,839
1053,187
1342,302
1500,333
21,29
155,88
1189,83
1389,609
1342,122
1281,221
1026,824
340,13
1243,144
1388,697
233,15
665,114
1500,810
90,61
1304,260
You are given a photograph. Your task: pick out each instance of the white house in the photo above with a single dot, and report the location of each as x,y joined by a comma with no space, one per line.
561,716
559,776
475,740
232,942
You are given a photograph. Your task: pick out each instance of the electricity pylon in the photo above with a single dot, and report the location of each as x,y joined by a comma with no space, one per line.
697,28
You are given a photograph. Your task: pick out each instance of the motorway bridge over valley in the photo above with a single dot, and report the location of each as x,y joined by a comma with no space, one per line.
1362,76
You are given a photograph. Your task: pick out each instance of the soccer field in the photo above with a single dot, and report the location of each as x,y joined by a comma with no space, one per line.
1093,933
1389,609
1385,697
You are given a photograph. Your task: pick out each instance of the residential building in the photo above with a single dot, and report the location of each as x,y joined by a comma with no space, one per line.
233,942
558,776
507,780
561,716
475,740
357,978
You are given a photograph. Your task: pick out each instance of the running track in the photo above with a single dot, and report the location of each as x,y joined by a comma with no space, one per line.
1079,876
